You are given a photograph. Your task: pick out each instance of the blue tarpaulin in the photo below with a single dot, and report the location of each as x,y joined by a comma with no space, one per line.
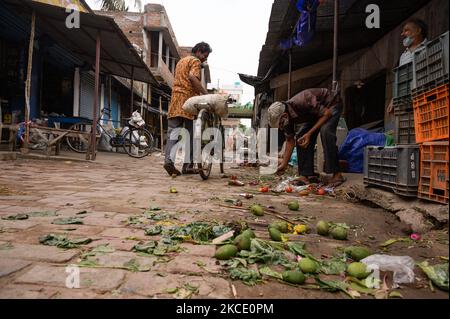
306,25
352,150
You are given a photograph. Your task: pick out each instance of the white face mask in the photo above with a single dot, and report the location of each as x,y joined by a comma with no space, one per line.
408,41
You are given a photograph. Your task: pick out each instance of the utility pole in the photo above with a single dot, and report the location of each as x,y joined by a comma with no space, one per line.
335,45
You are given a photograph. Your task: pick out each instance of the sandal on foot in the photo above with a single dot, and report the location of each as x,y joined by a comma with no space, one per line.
171,170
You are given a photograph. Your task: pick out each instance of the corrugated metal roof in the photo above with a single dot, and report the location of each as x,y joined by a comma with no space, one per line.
118,56
353,34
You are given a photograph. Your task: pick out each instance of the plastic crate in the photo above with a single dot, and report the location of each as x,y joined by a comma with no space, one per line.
405,132
403,81
434,177
403,77
403,104
430,64
394,168
431,112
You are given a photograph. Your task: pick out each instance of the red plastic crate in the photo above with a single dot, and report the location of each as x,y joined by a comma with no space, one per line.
434,177
431,112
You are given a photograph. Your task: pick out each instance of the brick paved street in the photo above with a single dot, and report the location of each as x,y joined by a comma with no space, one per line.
104,195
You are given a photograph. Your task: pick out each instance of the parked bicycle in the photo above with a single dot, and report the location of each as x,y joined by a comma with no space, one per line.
134,138
207,119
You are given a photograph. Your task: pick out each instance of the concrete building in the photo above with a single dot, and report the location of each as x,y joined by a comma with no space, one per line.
152,35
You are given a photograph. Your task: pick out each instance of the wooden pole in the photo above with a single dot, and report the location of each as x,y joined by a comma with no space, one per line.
28,81
109,97
96,88
132,91
161,124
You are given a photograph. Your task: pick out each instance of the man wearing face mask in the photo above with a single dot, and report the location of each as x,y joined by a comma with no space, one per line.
414,34
316,110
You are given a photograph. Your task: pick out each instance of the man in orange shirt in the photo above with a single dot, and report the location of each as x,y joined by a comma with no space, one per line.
186,85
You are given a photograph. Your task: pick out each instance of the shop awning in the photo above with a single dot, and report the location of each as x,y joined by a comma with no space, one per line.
118,57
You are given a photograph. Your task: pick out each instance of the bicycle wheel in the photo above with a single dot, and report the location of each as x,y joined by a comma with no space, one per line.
79,144
138,142
205,167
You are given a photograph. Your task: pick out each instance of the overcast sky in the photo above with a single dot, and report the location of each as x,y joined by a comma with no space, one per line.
235,29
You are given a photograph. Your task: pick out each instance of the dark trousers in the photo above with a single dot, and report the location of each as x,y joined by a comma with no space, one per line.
328,136
173,135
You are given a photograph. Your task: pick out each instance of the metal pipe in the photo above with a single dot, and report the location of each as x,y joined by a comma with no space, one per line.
132,91
28,80
161,125
335,44
96,88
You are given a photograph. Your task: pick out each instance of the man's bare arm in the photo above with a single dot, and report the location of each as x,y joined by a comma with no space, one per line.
197,84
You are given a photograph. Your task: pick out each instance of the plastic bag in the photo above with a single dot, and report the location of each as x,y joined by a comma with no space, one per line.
294,159
136,119
215,103
352,150
402,266
288,182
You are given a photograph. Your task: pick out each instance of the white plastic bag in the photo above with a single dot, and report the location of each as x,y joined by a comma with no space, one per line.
136,119
288,182
402,266
216,103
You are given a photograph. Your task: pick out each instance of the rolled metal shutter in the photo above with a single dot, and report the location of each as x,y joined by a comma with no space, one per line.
87,95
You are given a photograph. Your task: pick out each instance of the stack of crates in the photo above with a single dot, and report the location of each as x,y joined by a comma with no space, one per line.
431,117
403,105
397,168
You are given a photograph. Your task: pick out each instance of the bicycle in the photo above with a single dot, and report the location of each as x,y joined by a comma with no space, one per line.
135,139
207,120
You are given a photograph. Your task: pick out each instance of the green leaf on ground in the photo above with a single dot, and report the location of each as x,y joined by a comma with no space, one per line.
395,240
68,221
134,266
201,232
333,286
269,272
43,214
156,216
249,277
262,251
103,249
334,266
438,274
171,290
16,217
395,294
63,242
153,230
298,249
146,248
133,220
